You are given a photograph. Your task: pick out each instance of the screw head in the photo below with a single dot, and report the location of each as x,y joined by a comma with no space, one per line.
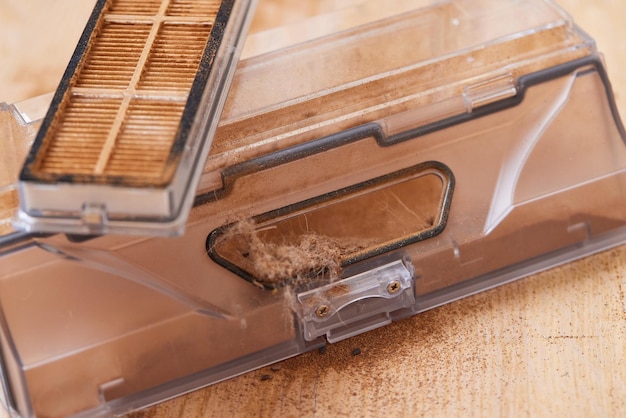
394,287
322,311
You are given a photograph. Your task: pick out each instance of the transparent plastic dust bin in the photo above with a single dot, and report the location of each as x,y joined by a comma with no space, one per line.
368,165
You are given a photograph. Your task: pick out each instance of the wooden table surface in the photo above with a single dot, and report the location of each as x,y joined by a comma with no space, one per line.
550,345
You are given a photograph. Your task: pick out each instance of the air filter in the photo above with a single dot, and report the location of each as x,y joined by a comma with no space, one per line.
132,121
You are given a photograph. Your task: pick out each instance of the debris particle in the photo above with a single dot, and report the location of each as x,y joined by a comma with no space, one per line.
356,351
322,349
265,377
275,368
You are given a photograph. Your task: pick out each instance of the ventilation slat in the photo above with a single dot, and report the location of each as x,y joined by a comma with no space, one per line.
133,7
192,7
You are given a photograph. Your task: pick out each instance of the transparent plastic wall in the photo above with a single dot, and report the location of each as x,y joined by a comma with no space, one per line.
490,121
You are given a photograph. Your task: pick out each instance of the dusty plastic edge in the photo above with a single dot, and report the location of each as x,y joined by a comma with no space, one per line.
523,83
376,130
209,104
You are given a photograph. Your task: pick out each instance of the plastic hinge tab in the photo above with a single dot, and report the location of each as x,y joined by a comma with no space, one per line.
357,303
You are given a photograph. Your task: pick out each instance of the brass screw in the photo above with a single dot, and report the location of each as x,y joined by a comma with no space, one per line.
394,287
322,311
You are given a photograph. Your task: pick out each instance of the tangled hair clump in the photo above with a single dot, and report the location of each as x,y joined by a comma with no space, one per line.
294,258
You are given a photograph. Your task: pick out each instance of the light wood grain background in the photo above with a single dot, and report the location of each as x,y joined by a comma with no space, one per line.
550,345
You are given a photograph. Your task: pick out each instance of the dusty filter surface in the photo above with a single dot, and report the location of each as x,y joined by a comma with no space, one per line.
124,115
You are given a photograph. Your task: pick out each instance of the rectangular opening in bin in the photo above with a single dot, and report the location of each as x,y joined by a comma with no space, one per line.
324,234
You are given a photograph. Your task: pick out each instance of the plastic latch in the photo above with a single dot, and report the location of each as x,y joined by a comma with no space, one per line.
473,96
94,214
490,91
358,303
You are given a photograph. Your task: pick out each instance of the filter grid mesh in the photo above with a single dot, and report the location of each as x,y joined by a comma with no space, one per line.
122,112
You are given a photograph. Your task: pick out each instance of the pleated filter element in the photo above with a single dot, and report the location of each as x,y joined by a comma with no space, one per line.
128,131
